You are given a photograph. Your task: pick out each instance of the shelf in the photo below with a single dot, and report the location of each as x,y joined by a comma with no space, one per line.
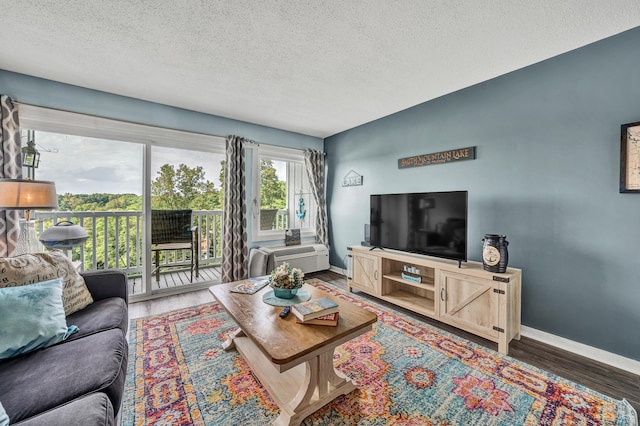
411,301
423,285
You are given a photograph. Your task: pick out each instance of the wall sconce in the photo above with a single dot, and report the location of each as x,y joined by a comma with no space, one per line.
27,195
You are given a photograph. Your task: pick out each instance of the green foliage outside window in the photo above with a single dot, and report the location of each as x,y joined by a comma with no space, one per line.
273,192
183,187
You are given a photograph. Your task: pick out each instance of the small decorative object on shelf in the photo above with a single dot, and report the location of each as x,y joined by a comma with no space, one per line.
292,237
413,279
495,255
286,281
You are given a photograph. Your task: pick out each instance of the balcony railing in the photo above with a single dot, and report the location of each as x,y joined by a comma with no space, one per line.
115,238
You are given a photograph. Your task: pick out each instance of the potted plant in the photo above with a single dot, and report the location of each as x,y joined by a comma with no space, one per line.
286,281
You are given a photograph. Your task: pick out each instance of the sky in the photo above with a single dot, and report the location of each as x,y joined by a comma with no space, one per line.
80,165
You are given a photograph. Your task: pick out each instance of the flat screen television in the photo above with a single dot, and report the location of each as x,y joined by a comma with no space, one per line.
430,223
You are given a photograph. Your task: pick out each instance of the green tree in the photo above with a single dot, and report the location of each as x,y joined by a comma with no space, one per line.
223,172
184,187
273,192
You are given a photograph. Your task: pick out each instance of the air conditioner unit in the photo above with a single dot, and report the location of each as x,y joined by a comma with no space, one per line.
308,257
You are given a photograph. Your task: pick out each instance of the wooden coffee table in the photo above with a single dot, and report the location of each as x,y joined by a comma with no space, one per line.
293,361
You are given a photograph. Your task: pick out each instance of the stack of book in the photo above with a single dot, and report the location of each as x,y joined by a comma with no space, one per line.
321,311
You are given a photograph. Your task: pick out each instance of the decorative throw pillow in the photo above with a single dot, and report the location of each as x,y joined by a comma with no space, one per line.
4,419
32,317
37,267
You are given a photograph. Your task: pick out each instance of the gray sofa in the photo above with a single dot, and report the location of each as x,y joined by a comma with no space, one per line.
81,380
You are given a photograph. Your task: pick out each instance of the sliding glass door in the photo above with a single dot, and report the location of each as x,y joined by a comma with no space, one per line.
185,182
111,175
100,185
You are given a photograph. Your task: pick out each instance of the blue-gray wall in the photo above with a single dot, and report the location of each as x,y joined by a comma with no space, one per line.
546,175
51,94
47,93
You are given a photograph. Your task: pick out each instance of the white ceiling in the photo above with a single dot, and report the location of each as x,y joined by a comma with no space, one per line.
313,67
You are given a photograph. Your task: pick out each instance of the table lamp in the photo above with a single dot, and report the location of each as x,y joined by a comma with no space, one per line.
27,195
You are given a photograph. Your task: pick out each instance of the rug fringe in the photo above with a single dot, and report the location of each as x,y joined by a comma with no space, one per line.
630,414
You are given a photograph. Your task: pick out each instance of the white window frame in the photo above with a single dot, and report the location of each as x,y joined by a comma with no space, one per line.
291,156
64,122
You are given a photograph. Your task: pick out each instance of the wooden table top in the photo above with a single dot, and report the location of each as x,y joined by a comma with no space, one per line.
284,340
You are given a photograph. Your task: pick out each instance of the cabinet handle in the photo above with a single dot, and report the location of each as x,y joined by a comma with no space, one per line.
375,275
442,294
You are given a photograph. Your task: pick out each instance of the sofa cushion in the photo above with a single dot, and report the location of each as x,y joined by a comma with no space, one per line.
32,268
32,317
101,315
41,380
94,410
4,419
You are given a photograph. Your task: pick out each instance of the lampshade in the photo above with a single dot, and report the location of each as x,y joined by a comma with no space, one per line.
63,235
22,194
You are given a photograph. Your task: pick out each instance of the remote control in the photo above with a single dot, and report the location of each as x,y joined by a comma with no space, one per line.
285,311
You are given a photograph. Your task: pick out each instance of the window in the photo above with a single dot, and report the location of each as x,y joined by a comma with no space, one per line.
282,198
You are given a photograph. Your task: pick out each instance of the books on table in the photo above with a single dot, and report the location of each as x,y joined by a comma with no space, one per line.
330,320
314,308
250,286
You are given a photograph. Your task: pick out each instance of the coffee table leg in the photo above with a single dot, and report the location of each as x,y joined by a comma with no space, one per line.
228,343
321,375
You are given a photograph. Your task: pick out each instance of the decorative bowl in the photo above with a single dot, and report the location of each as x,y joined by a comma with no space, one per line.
285,293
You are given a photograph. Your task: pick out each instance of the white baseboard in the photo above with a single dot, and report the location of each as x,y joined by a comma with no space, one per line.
609,358
338,270
596,354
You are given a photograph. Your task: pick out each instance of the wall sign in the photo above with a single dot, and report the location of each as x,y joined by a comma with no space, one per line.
459,154
352,179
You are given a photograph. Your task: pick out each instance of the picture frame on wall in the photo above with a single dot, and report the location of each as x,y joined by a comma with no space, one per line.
630,158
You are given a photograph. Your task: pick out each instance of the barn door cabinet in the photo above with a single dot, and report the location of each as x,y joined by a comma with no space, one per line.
470,298
365,273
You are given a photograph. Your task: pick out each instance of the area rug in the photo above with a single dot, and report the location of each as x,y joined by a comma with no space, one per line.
408,373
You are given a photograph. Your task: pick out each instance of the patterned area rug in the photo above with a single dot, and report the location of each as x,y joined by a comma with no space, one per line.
408,373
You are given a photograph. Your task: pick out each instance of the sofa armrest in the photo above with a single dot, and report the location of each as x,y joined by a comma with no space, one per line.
105,284
94,409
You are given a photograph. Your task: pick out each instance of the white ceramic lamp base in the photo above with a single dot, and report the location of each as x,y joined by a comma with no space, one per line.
28,241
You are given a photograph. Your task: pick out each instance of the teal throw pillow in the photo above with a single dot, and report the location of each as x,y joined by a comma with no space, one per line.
32,317
4,419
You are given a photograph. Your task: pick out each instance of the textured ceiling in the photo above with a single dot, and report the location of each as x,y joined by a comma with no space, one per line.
313,67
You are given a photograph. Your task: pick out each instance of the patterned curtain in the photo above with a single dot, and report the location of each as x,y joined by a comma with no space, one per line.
235,263
314,162
10,167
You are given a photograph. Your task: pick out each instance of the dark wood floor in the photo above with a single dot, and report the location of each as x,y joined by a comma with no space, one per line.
595,375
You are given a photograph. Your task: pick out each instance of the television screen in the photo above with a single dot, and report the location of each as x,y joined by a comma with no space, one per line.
431,223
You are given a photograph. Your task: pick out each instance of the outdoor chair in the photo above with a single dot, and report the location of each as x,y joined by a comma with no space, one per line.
267,218
172,230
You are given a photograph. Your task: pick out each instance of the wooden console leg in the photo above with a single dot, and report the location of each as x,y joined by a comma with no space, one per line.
503,346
